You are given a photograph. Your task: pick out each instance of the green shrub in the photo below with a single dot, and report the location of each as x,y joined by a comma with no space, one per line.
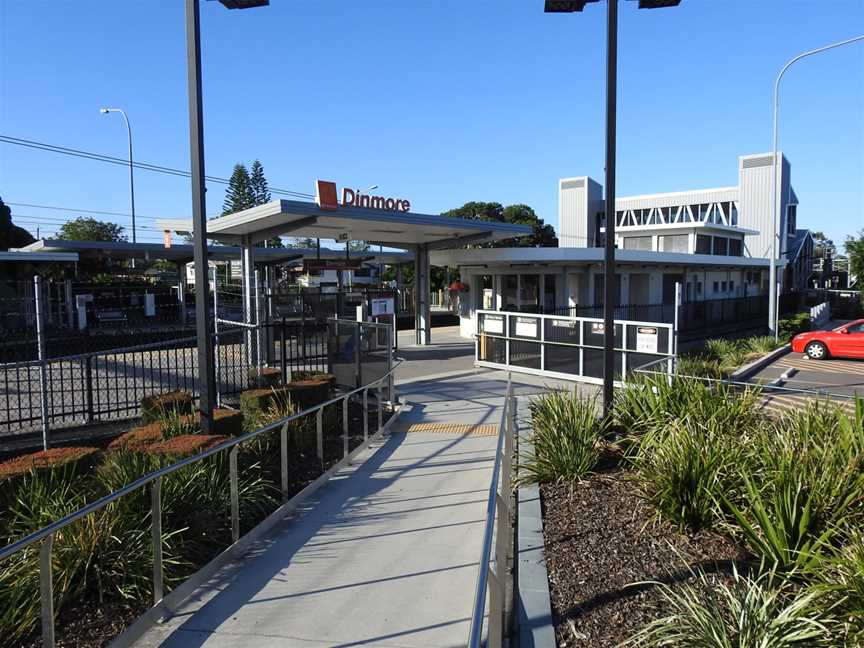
748,613
649,402
762,344
841,579
789,327
779,526
261,378
684,469
157,406
567,436
698,365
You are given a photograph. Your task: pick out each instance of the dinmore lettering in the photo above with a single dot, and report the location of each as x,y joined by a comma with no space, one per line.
355,198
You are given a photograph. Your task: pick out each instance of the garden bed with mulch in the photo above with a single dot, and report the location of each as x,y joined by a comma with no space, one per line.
603,543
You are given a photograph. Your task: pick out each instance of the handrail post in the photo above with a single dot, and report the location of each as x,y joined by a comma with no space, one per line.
46,591
380,411
319,428
156,536
88,387
365,415
235,494
345,427
496,609
283,463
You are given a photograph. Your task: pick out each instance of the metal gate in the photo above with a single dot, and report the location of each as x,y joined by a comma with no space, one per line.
568,347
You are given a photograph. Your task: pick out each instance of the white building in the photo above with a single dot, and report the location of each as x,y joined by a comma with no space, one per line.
714,242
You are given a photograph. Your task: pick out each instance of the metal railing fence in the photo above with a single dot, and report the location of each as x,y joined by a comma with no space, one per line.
46,534
494,571
566,347
75,389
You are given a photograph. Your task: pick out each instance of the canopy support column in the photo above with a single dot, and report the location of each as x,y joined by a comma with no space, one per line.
422,322
181,290
250,287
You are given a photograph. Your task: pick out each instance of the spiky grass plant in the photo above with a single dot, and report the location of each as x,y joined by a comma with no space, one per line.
747,613
566,435
652,402
841,579
684,469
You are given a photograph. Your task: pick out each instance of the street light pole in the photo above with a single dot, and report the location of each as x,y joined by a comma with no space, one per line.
773,325
105,111
206,373
610,298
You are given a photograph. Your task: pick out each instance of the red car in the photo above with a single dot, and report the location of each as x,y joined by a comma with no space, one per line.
845,341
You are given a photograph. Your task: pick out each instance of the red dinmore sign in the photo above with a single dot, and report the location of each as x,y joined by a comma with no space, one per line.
326,196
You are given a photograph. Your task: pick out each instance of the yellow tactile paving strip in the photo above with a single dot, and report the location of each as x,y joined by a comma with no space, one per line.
454,428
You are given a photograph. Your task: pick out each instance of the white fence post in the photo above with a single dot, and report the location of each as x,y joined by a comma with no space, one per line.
41,350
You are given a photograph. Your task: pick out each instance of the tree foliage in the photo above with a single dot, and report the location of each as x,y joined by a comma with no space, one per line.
238,195
11,235
258,184
247,190
85,228
855,251
542,236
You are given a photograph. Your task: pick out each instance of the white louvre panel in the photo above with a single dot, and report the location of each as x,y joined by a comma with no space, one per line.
696,197
754,162
573,184
577,201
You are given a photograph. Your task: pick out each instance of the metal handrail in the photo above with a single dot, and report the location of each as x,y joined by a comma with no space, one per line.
46,534
493,503
167,470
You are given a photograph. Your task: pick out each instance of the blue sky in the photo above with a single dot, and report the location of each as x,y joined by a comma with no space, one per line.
440,101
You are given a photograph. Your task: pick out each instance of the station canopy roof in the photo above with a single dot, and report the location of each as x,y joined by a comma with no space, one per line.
183,253
36,257
399,229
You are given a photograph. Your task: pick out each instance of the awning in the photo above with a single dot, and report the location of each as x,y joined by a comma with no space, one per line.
375,226
183,253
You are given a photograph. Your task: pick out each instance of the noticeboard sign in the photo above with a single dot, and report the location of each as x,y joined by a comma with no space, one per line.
493,324
526,327
382,306
646,339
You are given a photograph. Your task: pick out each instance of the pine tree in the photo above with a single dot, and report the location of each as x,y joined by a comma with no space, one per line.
258,184
239,194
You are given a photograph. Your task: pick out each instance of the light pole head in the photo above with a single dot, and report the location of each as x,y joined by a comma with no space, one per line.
244,4
372,188
565,6
104,111
658,4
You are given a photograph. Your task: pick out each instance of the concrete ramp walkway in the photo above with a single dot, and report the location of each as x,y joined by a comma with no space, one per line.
386,553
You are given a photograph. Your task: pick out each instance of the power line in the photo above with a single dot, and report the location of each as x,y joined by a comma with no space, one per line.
88,211
146,166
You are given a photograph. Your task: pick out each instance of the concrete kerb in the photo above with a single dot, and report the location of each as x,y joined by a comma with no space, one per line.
534,605
177,597
743,374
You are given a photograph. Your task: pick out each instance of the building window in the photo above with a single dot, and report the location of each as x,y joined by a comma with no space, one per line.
677,243
721,245
736,247
703,244
733,214
732,286
716,286
698,287
723,286
637,243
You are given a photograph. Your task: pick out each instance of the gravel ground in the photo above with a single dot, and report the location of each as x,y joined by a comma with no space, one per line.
602,545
